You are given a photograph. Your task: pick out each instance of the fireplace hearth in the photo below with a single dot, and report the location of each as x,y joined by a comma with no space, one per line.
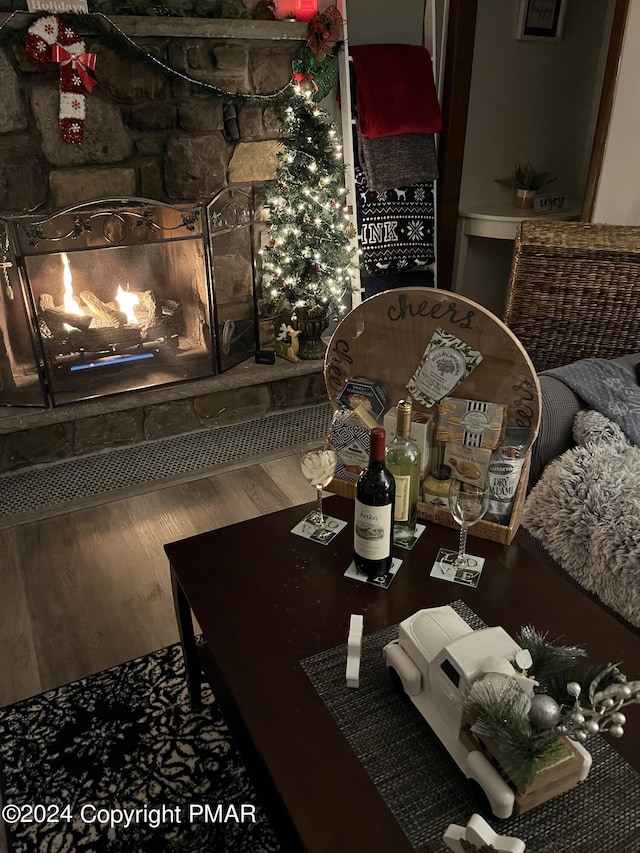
117,295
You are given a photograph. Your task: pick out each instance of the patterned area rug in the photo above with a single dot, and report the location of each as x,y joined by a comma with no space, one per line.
78,762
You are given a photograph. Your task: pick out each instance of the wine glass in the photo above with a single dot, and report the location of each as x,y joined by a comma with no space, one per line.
318,465
467,504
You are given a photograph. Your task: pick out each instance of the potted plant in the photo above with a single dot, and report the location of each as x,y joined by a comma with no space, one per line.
526,180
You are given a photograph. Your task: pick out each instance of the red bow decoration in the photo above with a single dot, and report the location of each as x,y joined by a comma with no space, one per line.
323,27
298,78
83,63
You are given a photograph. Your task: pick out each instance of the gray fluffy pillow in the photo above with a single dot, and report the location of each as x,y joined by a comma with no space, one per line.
585,509
593,426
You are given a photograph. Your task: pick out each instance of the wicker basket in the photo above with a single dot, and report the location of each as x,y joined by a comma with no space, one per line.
574,291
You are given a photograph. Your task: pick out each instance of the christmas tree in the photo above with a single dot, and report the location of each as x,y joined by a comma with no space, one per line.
308,262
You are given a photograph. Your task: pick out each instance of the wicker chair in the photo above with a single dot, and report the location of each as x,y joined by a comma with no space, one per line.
574,291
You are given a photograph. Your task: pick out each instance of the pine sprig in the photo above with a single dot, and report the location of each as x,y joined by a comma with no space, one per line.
556,666
498,713
549,661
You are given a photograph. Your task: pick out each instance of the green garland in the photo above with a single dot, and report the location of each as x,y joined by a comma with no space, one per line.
174,8
556,666
111,36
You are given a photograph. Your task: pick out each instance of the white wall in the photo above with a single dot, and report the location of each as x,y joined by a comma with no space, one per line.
618,195
375,21
529,100
381,21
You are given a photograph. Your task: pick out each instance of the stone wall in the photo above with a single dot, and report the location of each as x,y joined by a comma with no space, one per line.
147,133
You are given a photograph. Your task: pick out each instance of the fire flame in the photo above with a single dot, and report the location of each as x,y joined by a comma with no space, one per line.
70,304
126,301
124,298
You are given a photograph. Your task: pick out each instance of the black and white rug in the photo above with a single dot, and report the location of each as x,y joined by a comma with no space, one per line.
79,763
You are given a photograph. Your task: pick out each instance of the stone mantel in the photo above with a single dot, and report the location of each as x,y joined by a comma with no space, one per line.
147,26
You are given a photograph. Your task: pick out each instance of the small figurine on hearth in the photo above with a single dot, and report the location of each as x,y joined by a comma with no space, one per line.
287,343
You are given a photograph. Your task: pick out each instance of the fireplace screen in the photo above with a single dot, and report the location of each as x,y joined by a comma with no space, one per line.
118,295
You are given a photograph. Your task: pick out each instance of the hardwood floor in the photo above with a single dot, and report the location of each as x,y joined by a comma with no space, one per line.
90,589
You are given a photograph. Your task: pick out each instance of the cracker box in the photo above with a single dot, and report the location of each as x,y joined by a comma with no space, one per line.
469,464
470,422
367,393
351,443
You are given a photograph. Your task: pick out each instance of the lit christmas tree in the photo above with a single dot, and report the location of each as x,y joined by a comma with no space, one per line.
308,262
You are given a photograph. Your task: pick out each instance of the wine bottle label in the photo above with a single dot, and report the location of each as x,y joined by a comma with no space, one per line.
372,531
403,498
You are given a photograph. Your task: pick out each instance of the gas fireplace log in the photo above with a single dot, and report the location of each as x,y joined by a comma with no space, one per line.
148,312
101,311
170,307
94,341
46,301
55,318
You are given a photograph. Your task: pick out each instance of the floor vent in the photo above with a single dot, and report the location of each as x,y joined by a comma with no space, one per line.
45,490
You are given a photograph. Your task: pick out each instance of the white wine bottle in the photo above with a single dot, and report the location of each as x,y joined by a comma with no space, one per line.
373,521
403,459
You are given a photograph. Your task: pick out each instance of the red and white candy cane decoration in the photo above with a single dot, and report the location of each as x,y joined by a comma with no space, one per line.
51,40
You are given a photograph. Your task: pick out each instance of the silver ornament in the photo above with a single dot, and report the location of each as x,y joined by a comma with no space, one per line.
618,719
573,689
616,731
592,727
577,718
544,712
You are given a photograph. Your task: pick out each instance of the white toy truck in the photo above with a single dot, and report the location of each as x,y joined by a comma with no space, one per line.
437,657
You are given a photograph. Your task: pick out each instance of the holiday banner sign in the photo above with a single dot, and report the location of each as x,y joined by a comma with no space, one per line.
76,7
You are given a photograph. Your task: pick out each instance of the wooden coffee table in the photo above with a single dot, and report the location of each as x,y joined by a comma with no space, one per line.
266,599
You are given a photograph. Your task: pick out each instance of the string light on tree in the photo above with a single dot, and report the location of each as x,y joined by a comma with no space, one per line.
306,213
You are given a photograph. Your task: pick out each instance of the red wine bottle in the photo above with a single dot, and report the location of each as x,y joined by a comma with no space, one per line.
373,522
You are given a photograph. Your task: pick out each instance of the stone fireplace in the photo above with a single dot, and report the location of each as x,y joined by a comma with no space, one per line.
149,135
117,295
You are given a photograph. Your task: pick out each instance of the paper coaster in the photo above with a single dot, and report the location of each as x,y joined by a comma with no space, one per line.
443,568
309,530
385,582
409,543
